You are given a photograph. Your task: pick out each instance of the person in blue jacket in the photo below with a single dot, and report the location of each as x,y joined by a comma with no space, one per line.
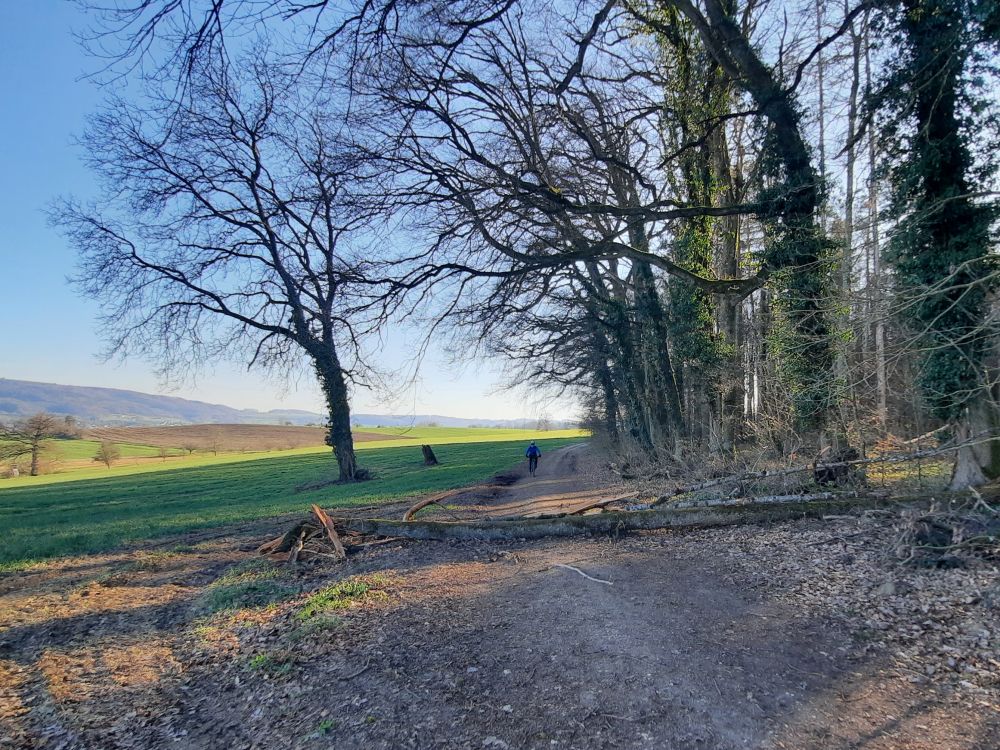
533,453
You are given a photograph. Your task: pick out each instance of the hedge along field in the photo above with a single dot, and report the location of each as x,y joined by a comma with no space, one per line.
100,514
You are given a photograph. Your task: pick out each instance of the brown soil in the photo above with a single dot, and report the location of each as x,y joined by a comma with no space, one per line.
779,636
223,437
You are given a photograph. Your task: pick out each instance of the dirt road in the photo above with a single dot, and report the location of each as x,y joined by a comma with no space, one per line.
753,637
566,479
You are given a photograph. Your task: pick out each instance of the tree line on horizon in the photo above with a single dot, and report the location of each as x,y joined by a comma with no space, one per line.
718,224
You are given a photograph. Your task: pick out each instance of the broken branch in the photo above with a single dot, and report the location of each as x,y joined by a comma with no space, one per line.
331,532
577,570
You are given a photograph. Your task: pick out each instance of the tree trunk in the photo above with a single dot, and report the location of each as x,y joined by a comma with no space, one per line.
662,392
339,436
978,463
799,246
728,307
847,255
35,450
606,380
627,371
881,377
603,375
820,67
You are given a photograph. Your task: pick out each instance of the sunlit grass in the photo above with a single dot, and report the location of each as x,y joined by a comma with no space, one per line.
59,518
77,450
341,595
85,449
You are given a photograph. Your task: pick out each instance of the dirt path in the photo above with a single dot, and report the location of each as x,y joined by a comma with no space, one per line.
566,479
752,637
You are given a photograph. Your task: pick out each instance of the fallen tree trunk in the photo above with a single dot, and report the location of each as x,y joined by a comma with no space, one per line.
606,523
588,507
429,500
439,496
776,473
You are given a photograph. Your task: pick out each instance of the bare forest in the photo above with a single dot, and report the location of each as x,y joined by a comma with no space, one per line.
747,231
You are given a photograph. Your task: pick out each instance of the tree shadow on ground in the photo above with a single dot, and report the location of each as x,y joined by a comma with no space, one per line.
485,645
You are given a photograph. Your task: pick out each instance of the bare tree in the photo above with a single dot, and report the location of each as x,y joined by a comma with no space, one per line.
235,223
107,453
28,437
215,441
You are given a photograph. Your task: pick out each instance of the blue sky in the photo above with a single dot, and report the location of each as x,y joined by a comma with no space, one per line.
50,333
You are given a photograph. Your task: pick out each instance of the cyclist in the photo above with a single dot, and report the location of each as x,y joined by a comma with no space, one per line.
533,453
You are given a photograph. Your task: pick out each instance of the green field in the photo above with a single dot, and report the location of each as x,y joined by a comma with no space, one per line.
50,516
77,450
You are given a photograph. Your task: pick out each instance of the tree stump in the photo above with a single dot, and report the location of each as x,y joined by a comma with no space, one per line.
429,458
838,468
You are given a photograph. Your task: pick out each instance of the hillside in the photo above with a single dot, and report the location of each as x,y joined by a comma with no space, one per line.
112,406
116,407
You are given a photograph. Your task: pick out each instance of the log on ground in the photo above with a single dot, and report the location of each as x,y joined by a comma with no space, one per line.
608,523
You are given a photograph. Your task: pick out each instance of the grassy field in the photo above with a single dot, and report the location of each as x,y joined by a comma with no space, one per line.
71,460
221,437
84,450
49,518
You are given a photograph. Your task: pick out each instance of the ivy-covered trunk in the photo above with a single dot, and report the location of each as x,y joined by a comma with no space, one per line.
662,394
728,307
339,437
797,254
940,247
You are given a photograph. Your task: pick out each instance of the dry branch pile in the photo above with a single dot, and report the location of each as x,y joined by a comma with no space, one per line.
318,537
947,537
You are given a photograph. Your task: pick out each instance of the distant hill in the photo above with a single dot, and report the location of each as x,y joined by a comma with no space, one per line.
113,406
